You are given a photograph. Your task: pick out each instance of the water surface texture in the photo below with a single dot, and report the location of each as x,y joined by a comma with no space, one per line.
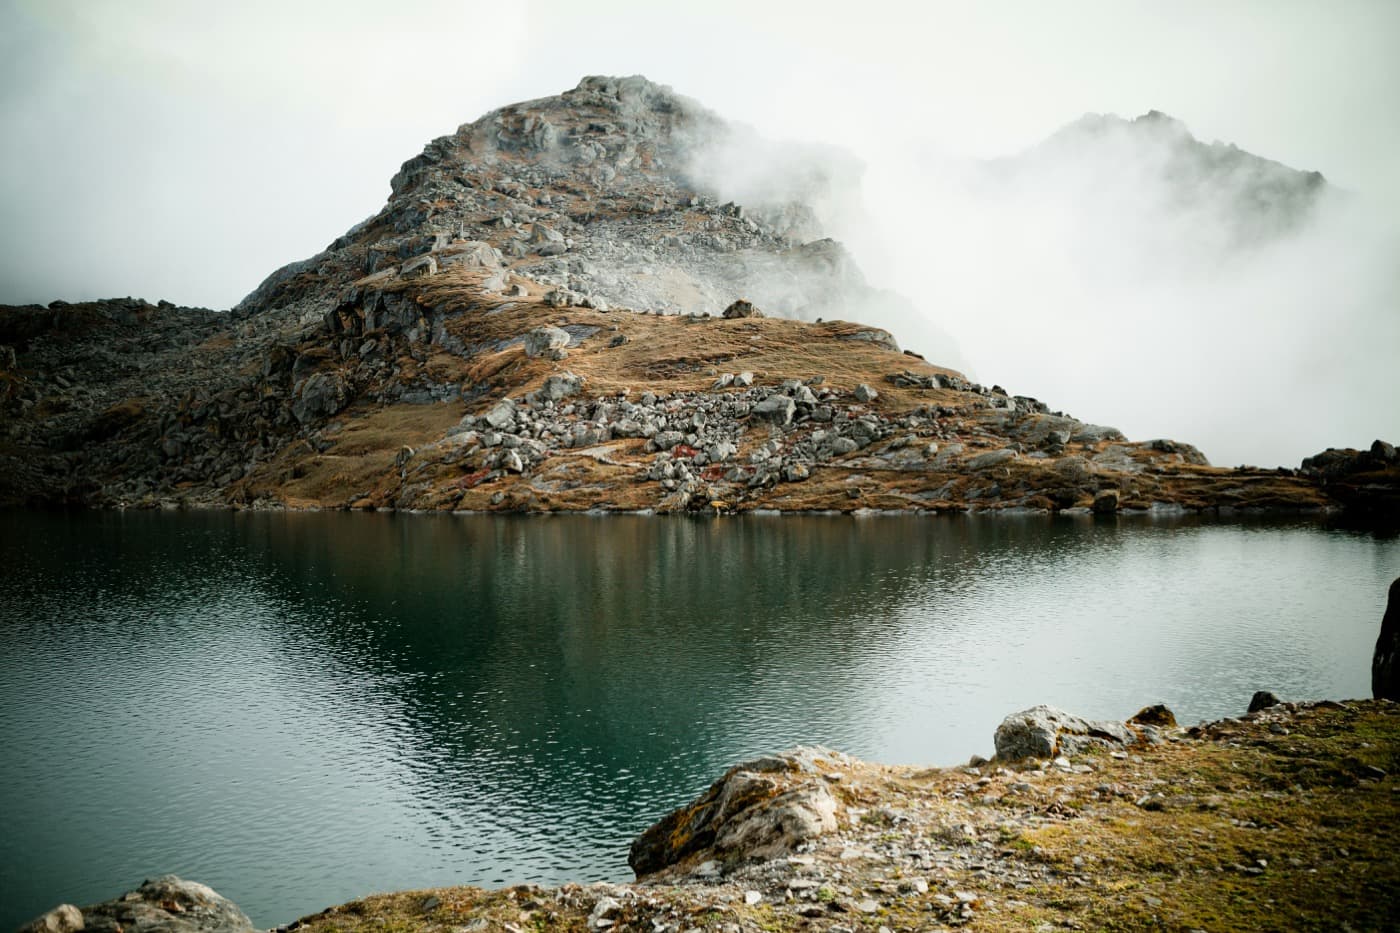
301,709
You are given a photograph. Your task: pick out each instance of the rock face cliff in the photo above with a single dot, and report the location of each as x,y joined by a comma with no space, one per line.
555,310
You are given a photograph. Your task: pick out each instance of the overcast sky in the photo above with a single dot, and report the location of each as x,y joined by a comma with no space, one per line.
168,149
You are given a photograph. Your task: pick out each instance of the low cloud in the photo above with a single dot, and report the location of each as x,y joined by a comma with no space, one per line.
1128,274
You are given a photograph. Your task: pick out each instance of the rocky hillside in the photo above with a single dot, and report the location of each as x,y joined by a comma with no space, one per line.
1264,822
554,311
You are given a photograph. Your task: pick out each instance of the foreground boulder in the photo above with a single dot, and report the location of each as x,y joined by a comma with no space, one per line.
758,809
163,905
1047,732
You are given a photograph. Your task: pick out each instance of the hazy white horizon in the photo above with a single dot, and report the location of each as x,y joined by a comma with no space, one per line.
168,150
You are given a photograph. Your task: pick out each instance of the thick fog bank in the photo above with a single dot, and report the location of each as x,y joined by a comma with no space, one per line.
1128,274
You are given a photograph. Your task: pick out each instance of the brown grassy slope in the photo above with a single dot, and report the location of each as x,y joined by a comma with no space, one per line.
669,354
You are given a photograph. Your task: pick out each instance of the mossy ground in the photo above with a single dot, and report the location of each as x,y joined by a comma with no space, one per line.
1280,821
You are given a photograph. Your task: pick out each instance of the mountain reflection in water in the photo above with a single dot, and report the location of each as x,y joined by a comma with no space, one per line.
298,709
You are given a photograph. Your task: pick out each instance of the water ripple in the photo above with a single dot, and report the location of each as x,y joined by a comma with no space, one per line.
301,709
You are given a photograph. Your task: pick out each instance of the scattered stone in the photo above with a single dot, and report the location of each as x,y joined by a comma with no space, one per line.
559,386
865,394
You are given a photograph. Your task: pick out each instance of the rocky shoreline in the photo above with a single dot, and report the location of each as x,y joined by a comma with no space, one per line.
1269,820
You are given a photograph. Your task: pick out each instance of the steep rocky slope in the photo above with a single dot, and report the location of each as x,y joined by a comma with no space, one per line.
549,313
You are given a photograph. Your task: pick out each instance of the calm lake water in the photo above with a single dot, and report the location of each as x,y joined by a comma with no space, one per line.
302,709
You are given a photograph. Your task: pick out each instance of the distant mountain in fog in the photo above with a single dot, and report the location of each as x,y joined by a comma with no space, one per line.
1154,164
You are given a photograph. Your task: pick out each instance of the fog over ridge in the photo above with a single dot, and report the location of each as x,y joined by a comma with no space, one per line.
1128,273
169,151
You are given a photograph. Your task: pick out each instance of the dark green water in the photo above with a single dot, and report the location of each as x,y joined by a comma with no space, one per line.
301,709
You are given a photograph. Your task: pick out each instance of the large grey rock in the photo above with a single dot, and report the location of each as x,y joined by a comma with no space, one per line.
422,265
162,905
470,254
665,440
548,342
560,386
875,335
546,240
1093,433
843,445
65,918
775,408
502,415
1047,732
990,459
761,808
319,395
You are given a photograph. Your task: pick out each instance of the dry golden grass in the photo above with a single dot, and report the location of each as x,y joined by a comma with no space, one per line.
359,463
666,354
1259,830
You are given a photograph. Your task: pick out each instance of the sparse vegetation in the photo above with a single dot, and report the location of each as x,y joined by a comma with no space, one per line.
1274,821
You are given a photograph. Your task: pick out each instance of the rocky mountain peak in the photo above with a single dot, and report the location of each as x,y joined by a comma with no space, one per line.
603,122
604,195
1154,162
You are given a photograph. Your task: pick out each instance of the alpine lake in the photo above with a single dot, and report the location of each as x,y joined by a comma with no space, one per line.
298,709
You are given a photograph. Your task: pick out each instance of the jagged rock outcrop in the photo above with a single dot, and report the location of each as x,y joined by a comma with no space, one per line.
760,808
601,197
1047,732
162,905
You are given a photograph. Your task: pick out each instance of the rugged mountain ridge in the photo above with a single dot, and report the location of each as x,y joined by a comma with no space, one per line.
1153,163
484,343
